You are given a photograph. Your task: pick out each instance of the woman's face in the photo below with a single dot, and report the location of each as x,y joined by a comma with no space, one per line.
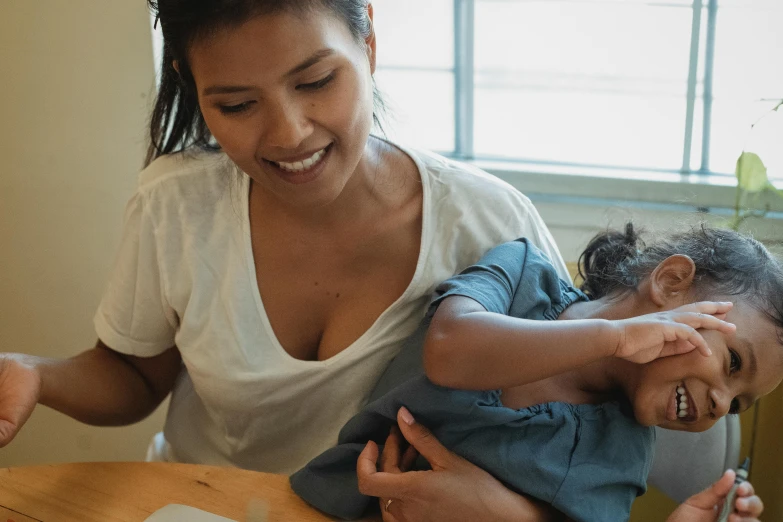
289,98
743,367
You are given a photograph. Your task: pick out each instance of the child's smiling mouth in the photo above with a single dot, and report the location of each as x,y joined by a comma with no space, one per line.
683,407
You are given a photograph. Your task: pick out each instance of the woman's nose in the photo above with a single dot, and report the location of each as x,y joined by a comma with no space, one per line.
285,127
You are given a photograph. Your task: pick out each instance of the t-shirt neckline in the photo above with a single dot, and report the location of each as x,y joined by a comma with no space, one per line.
362,340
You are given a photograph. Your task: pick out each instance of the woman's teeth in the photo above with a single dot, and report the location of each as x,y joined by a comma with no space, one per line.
682,402
301,166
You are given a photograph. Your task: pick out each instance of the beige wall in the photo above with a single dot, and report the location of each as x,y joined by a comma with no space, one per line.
75,77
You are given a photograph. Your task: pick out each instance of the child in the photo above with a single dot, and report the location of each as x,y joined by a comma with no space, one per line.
554,390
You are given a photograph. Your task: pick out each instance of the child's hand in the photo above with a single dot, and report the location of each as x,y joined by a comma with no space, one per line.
705,506
647,337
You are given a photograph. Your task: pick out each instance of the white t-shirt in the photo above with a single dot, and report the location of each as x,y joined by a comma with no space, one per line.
185,276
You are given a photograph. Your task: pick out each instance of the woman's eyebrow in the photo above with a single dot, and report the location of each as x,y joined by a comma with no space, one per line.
229,89
315,58
225,89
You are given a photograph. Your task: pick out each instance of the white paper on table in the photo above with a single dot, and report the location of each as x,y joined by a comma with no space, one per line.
180,513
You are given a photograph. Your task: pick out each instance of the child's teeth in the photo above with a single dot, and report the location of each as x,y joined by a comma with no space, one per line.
682,404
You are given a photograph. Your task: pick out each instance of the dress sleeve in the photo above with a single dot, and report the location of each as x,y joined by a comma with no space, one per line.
133,316
492,282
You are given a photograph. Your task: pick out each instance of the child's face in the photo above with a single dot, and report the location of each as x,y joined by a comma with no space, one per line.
743,367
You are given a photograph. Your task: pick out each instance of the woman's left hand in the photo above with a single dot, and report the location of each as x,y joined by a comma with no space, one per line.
453,490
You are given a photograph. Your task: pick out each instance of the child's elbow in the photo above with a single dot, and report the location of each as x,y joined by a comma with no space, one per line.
438,357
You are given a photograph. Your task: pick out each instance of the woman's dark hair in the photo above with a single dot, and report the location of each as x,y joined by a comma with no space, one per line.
727,263
176,122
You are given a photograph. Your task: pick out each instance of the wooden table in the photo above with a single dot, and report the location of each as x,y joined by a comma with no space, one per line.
131,491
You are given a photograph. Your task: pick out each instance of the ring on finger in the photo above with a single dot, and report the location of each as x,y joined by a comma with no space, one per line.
387,504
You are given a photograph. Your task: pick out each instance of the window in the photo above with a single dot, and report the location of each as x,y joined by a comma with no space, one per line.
416,70
670,85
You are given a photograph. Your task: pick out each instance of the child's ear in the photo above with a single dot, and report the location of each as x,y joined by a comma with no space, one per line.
672,279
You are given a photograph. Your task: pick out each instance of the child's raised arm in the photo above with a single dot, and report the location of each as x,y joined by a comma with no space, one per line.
467,347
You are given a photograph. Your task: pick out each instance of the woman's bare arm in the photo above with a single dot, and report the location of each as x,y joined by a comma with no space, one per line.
107,388
100,387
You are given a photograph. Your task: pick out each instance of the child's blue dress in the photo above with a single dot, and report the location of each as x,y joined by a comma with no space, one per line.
589,461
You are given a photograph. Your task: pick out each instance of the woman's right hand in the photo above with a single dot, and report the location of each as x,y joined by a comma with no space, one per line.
20,388
454,489
644,338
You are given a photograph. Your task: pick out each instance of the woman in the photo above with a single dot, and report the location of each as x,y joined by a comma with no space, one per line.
282,258
285,269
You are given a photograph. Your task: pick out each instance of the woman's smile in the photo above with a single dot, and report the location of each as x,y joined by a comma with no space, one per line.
301,169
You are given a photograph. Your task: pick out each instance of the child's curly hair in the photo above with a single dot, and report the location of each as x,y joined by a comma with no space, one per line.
726,262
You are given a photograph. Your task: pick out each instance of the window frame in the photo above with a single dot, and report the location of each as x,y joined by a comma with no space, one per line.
464,75
694,190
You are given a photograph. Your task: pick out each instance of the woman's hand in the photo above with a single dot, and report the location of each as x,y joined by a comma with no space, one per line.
705,506
453,490
20,388
647,337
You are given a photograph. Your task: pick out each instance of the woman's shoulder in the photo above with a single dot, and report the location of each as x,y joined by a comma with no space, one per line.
463,192
468,211
193,186
464,182
191,167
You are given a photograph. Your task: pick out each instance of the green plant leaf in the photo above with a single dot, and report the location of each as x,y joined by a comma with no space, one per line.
751,173
778,106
